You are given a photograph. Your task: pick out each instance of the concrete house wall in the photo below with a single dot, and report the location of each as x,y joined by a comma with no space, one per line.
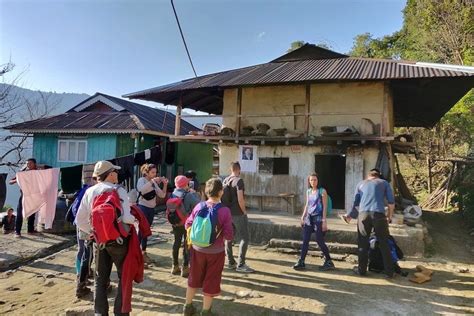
330,104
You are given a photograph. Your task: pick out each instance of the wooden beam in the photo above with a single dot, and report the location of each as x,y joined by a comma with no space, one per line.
307,110
177,125
238,112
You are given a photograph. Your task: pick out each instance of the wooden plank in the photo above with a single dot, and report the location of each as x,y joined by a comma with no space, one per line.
354,174
238,112
177,125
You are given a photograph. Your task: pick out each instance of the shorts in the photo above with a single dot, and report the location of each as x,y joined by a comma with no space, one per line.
206,271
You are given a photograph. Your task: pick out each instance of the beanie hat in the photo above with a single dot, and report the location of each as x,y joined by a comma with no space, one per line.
181,182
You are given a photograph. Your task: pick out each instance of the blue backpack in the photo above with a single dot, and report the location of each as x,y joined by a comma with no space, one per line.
204,231
329,200
72,211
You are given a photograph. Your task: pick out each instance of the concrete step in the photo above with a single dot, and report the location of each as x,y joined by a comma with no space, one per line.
264,226
336,248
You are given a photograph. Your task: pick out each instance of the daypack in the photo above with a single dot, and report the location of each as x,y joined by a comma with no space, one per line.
106,209
375,255
328,202
228,195
204,230
175,212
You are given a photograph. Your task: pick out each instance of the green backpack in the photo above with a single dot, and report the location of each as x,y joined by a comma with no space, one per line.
329,200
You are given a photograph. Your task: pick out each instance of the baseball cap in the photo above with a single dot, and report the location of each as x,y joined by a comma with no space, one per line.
102,167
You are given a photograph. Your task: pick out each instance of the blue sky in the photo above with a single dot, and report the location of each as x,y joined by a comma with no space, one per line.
119,46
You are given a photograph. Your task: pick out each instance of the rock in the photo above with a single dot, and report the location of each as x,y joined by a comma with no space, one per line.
248,293
463,270
2,302
12,289
37,293
49,276
86,310
49,283
227,298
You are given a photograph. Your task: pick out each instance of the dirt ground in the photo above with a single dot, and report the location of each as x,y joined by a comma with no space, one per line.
47,286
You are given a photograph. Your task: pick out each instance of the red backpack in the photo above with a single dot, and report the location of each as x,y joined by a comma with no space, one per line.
175,212
106,209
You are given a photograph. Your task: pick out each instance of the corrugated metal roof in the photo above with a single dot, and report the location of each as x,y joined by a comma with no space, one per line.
312,64
135,117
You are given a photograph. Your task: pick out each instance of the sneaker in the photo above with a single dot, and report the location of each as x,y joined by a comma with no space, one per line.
356,271
299,265
207,313
189,310
146,259
175,270
33,232
185,271
344,219
244,269
328,265
82,290
232,266
17,235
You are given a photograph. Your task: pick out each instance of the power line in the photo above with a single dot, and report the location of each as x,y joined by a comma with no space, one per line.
184,41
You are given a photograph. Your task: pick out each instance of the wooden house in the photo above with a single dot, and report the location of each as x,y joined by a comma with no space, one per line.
104,127
326,112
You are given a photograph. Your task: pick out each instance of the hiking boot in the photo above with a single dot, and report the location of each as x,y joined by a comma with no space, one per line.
146,259
357,271
244,269
232,266
328,265
299,265
175,270
189,310
82,290
185,271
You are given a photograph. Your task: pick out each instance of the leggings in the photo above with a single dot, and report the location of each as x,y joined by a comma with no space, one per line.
317,228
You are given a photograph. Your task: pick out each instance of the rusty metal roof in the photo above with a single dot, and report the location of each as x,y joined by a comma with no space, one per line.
305,65
130,118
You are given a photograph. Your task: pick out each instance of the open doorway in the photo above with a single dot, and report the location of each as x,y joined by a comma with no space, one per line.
332,176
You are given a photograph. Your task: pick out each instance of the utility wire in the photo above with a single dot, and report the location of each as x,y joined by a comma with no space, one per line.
184,41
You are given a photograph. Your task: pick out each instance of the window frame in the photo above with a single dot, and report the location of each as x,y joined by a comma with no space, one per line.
76,154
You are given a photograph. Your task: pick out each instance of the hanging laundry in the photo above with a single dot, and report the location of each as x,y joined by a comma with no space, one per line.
147,154
40,191
87,171
126,172
3,189
155,155
71,179
139,158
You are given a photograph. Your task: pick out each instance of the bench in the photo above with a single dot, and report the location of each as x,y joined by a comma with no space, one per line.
290,199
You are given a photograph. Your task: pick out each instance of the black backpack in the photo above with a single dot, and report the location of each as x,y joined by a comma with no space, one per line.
228,197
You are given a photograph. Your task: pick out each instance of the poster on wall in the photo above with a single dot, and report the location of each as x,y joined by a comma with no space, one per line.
248,158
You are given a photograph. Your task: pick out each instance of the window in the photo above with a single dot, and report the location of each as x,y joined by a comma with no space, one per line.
71,150
274,165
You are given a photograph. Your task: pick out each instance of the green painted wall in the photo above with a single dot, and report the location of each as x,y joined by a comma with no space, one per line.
99,147
125,145
195,156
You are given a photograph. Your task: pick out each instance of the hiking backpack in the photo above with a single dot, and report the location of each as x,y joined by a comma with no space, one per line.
228,196
106,210
204,230
175,212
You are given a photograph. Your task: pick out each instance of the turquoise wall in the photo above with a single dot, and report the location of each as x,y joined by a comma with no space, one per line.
99,147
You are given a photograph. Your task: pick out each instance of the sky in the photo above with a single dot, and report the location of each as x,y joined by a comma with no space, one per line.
122,46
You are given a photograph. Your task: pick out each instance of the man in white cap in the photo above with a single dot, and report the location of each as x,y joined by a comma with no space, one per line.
113,252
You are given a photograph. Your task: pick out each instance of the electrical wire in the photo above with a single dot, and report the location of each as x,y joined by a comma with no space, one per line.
184,41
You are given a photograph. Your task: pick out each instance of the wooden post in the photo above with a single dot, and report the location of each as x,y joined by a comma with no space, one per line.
177,125
307,110
384,124
448,185
238,112
430,176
